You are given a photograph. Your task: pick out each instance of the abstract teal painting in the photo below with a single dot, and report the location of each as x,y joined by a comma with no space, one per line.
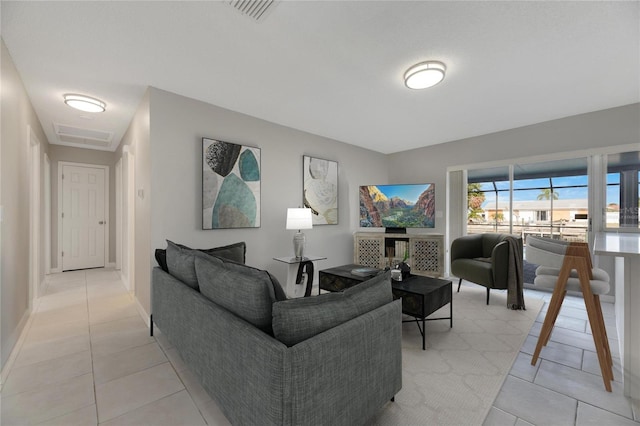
230,185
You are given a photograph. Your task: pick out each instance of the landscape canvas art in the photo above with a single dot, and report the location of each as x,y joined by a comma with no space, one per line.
230,185
320,189
398,206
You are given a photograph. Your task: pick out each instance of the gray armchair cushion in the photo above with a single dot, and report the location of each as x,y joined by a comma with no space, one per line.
296,320
247,292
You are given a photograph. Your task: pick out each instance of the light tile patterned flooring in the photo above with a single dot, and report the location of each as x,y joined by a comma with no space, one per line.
565,387
87,359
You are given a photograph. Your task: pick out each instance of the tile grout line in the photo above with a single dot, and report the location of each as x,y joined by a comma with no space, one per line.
582,361
164,351
93,376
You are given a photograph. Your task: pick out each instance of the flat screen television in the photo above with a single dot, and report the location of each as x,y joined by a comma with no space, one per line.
398,206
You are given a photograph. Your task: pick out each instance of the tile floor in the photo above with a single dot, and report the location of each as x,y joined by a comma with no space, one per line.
87,359
565,387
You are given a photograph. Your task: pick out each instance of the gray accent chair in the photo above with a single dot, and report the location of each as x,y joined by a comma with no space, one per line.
483,259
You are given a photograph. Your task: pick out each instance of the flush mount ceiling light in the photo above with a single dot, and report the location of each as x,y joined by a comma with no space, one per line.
84,103
424,74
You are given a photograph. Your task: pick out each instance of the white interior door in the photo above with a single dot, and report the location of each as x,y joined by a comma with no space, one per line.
83,217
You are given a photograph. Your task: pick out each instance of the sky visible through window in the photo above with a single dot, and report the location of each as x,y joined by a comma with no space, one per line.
567,188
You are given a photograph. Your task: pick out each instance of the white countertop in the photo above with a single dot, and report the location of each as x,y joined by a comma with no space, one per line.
617,244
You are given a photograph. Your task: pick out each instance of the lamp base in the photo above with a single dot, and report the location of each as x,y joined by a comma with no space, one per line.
298,245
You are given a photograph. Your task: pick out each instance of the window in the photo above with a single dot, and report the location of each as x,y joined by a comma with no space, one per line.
548,199
488,200
622,189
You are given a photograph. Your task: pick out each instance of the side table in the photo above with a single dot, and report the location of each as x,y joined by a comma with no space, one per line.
297,290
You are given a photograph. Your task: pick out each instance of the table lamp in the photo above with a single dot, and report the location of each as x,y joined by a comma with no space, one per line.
299,218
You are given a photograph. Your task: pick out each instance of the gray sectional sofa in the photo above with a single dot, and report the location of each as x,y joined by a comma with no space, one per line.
333,359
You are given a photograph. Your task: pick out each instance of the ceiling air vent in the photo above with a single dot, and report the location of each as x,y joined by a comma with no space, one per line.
256,9
77,135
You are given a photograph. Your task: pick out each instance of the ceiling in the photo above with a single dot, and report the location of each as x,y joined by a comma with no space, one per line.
331,68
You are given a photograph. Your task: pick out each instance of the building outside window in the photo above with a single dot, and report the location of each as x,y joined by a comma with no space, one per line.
547,198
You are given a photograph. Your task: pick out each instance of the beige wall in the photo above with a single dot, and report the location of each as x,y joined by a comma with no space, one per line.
16,115
137,141
615,126
58,153
610,127
171,180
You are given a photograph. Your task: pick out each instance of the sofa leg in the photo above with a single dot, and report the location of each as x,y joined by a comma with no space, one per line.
487,295
393,399
151,325
459,283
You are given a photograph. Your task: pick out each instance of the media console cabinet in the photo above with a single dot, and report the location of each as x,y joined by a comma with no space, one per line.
378,250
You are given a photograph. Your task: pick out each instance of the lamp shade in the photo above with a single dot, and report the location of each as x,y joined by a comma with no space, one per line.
298,218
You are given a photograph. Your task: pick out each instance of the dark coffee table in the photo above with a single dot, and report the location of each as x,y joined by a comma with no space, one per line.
339,278
421,296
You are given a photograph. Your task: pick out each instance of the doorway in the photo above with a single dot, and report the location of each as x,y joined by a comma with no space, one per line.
83,217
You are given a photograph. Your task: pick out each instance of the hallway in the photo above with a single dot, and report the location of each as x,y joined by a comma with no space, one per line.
87,359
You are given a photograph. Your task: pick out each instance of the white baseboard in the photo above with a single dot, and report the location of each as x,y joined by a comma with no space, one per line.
142,312
56,270
111,265
22,328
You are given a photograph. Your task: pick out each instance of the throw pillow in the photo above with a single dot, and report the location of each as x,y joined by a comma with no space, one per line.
247,292
236,252
180,264
161,258
296,320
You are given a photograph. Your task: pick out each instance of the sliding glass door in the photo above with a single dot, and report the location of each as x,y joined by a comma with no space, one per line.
551,199
545,198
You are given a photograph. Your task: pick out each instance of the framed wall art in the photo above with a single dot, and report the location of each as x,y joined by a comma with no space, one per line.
230,185
320,189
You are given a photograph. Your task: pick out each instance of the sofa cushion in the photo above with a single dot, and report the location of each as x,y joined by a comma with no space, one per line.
296,320
236,252
245,291
161,258
181,263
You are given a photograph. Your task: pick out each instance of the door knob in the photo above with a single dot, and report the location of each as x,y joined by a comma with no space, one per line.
101,222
